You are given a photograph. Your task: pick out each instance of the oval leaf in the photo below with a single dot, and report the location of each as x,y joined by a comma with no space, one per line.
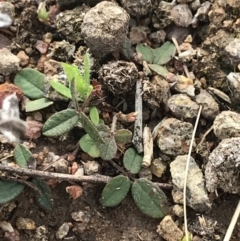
164,54
132,161
158,69
149,198
44,200
31,82
89,146
9,190
115,191
62,89
60,123
123,136
108,150
22,155
146,51
94,116
38,104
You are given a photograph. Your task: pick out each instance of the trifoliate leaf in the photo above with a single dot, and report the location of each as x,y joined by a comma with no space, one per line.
94,116
38,104
89,146
158,69
60,123
164,54
149,198
62,89
108,150
22,155
123,136
31,82
115,191
44,200
9,190
146,51
132,161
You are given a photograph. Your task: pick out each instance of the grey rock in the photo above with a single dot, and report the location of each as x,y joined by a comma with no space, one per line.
227,124
178,210
137,8
183,107
9,63
158,36
62,231
210,107
69,22
169,230
234,85
182,15
174,136
61,166
222,169
233,51
81,216
145,173
197,197
158,167
104,28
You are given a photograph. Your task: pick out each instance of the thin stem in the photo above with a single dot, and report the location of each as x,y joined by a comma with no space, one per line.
114,121
232,223
58,176
186,175
179,52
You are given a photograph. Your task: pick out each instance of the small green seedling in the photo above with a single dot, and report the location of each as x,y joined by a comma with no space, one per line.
83,86
158,57
43,14
150,199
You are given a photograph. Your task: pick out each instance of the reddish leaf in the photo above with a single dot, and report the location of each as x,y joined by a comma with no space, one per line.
75,191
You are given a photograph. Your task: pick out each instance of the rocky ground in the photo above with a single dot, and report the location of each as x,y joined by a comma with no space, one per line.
165,60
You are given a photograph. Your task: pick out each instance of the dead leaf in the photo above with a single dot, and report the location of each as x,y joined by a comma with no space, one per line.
75,191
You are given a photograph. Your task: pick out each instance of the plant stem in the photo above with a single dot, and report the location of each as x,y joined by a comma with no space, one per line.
58,176
186,175
138,132
67,177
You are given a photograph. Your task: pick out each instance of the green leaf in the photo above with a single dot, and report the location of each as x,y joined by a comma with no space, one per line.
86,70
44,200
149,198
69,70
103,128
94,116
115,191
62,89
89,146
60,123
90,128
126,48
108,150
123,136
164,54
132,161
38,104
31,82
158,69
146,51
22,155
9,190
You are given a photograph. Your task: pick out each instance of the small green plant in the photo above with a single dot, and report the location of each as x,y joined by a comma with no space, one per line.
158,57
43,14
11,189
150,199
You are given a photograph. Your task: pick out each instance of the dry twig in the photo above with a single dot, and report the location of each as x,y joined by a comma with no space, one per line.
186,175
